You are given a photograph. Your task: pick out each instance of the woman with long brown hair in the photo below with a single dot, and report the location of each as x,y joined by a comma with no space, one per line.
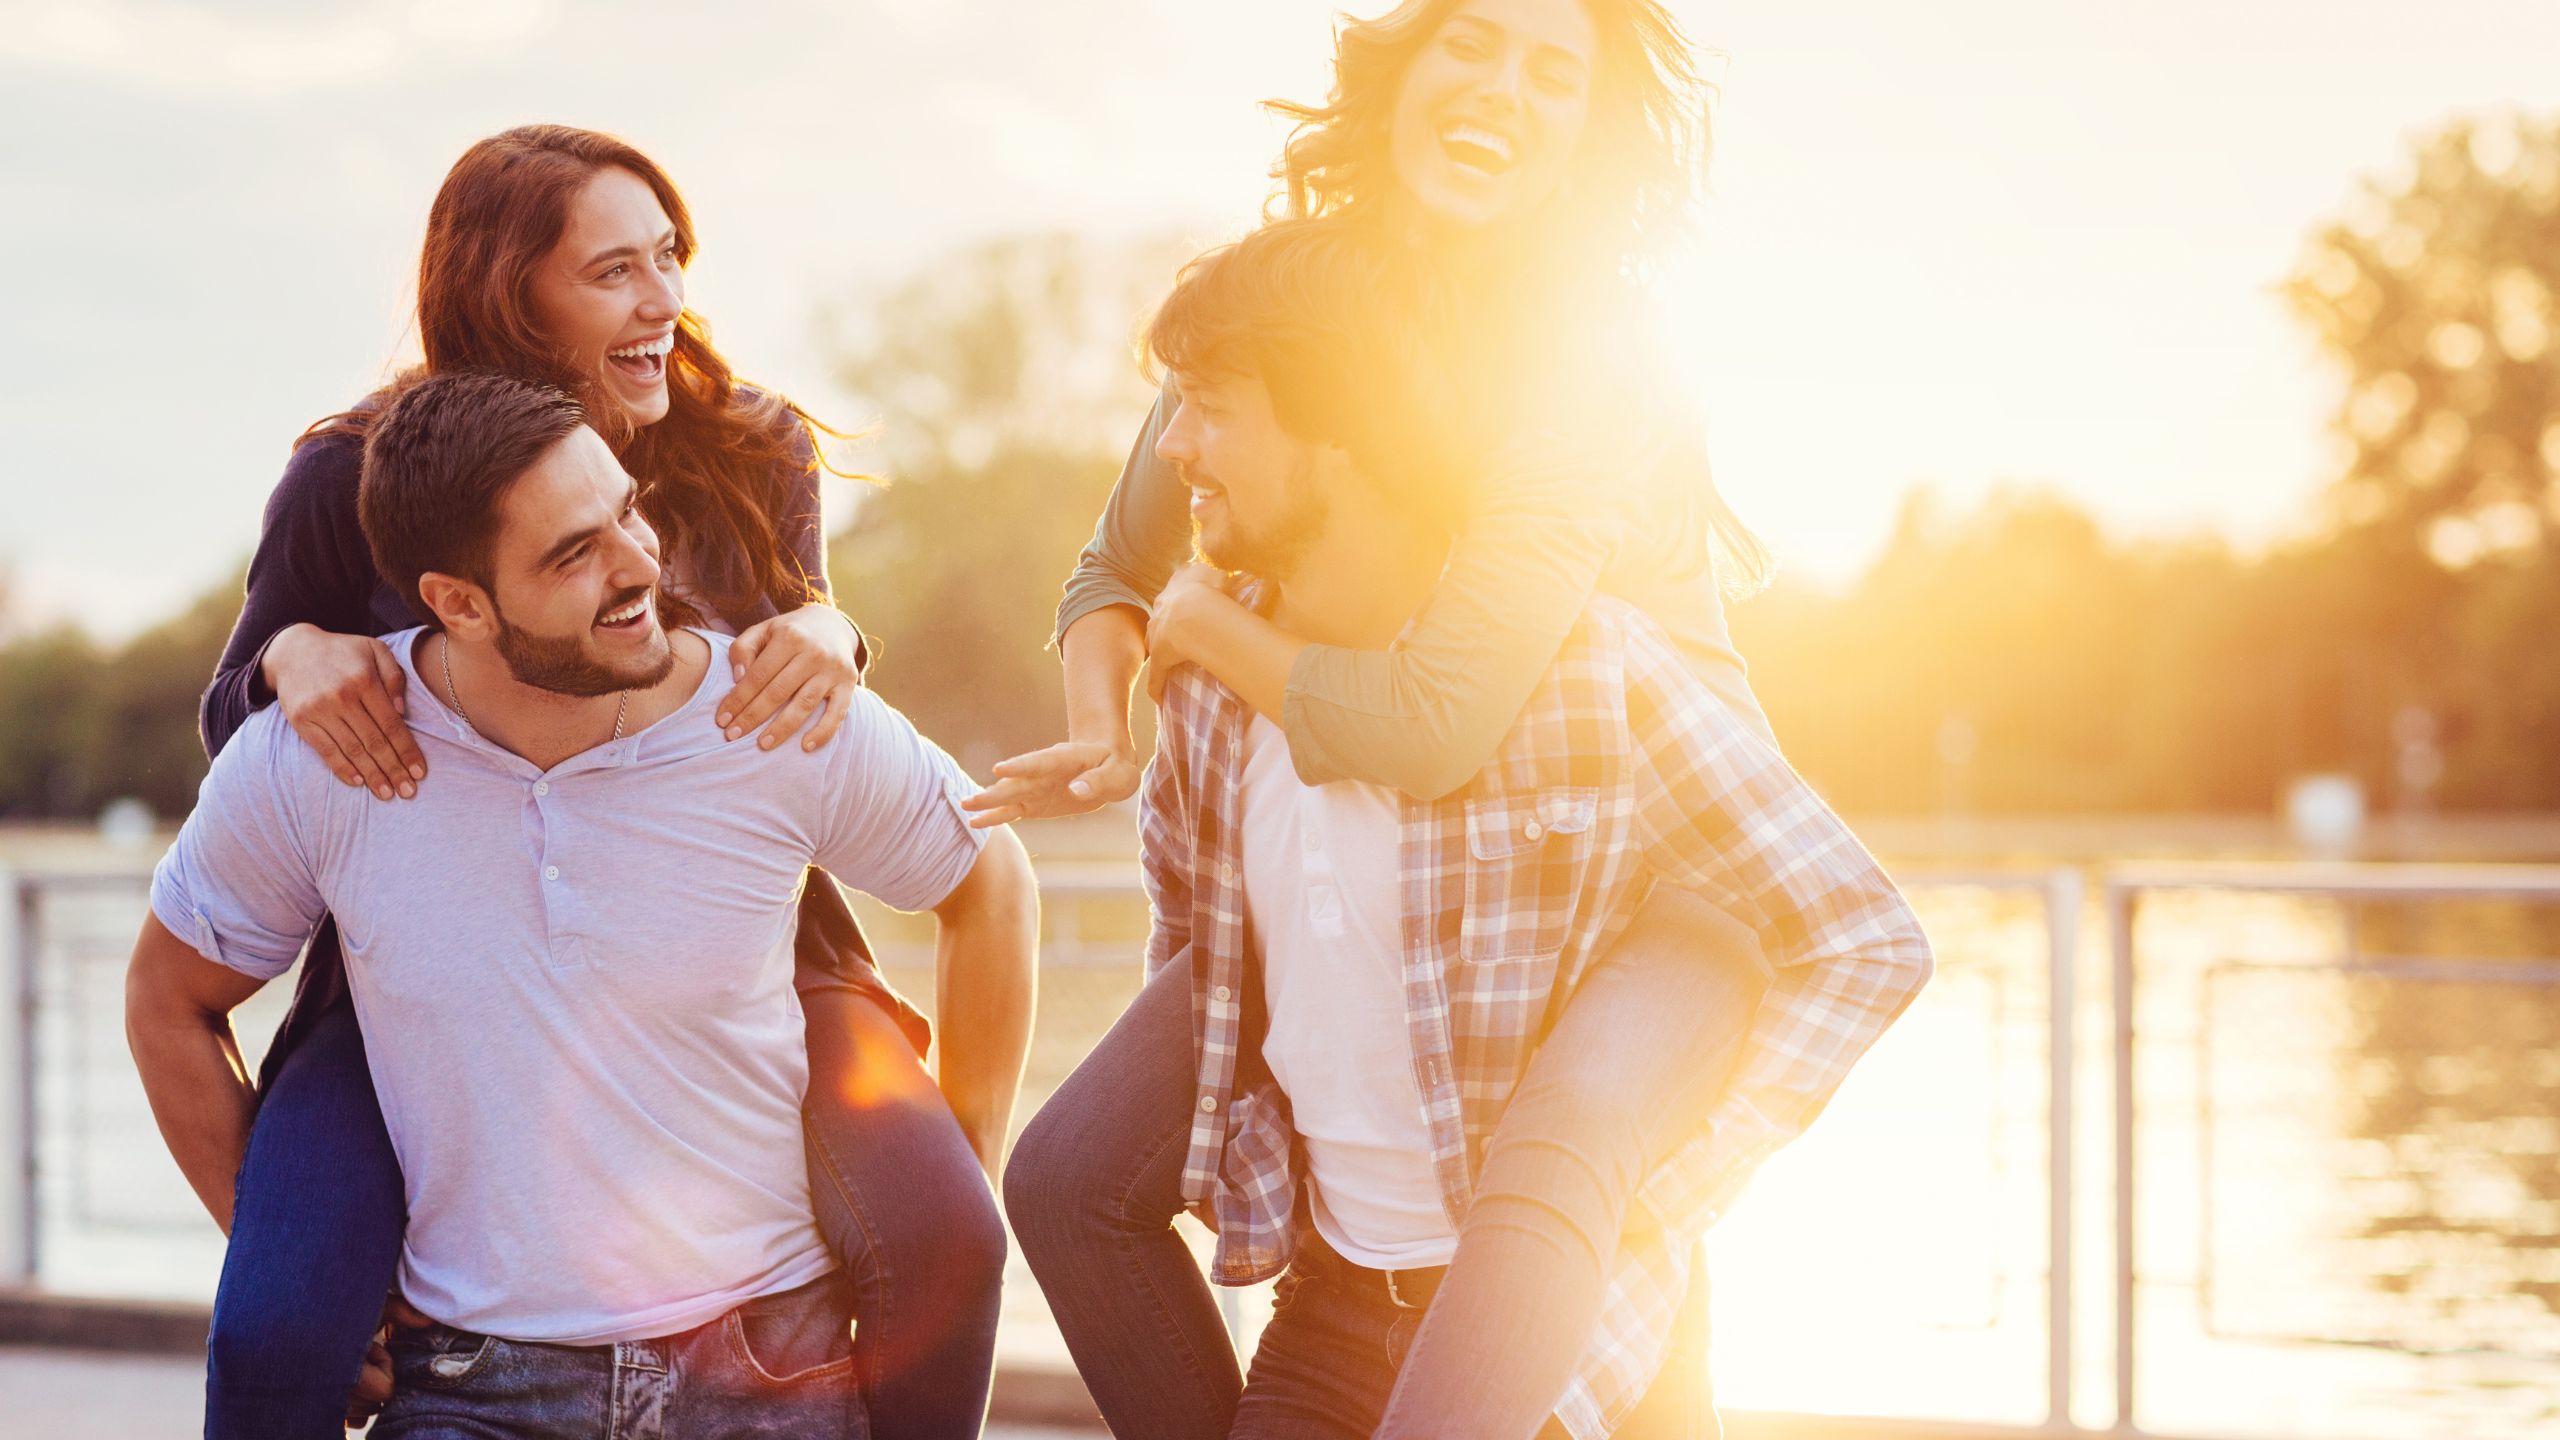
559,254
1539,154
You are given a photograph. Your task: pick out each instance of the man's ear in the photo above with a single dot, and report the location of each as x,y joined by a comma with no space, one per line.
461,606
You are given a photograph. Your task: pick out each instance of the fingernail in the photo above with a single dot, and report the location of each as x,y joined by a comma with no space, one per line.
722,718
408,792
808,744
1079,789
417,772
381,792
767,743
737,672
735,732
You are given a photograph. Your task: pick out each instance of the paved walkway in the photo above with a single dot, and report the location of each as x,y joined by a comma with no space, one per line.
62,1394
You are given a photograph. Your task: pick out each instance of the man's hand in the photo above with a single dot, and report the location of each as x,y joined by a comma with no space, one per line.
373,1383
1073,777
1195,593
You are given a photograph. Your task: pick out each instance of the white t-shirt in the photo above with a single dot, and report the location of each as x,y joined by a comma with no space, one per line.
1322,884
576,986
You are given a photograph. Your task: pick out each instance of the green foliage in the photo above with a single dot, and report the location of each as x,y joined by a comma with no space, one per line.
1007,395
81,725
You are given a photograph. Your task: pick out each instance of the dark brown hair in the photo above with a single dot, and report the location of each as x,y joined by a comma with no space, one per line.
711,462
1323,314
438,462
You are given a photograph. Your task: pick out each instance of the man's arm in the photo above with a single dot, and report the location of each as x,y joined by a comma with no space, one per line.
1721,813
177,1019
986,969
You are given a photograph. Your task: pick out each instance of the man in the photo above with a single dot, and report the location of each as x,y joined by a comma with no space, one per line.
572,954
1372,974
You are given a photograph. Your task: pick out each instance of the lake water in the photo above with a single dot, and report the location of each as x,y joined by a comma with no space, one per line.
2347,1196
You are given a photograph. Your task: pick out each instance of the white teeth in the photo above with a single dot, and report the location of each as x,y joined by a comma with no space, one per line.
1477,135
664,344
626,614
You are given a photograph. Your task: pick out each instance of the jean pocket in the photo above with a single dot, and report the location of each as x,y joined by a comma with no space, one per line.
800,1337
438,1356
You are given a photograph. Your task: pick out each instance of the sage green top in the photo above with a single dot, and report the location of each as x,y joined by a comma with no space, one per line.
1425,716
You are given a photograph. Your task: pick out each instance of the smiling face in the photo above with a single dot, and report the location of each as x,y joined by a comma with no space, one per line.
1492,110
611,289
574,575
1258,493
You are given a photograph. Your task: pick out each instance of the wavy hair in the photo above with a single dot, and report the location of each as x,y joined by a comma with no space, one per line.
710,463
1560,295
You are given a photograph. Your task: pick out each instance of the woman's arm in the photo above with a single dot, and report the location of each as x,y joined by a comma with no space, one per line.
306,628
1144,533
1426,716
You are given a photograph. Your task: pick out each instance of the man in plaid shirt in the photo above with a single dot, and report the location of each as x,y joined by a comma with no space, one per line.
1371,974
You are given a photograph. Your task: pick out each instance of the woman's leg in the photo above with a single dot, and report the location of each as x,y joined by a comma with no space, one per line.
1636,1060
1092,1189
900,1196
315,1246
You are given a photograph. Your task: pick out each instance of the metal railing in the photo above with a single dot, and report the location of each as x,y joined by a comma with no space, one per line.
2348,884
2060,894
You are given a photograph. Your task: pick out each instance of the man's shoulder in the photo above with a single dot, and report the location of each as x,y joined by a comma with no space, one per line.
268,767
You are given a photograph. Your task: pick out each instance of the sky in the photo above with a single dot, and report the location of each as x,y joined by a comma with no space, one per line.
1963,244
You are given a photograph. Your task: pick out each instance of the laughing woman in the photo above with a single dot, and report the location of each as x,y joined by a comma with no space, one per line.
1540,152
560,254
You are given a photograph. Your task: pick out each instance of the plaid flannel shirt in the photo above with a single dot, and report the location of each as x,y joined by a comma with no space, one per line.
1622,770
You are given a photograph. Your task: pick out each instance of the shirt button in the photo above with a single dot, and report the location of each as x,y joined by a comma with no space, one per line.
1225,994
1533,829
1226,873
541,787
1208,1104
550,872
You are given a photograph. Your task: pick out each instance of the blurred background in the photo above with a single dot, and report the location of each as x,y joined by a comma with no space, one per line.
2155,410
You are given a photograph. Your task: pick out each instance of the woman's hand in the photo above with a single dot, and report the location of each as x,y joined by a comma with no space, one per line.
373,1381
1196,595
786,670
1072,777
345,696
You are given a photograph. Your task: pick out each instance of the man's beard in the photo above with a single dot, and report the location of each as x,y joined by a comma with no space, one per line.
1273,552
561,664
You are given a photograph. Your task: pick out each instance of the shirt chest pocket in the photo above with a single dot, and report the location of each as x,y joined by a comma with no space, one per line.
1528,853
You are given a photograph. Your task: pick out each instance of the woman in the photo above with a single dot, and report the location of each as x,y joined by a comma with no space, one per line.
560,254
1541,150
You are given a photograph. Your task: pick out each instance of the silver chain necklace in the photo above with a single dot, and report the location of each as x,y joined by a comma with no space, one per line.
445,654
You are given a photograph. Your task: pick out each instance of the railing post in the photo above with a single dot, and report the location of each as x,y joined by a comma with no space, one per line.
18,1086
2062,919
2121,898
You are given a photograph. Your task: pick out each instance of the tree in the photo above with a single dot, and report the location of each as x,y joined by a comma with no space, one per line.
2435,290
1007,394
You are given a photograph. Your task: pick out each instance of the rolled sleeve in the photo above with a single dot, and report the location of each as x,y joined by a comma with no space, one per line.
895,830
1143,535
238,884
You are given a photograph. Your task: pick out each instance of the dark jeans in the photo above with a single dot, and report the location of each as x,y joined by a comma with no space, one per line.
1645,1043
778,1366
1337,1343
318,1216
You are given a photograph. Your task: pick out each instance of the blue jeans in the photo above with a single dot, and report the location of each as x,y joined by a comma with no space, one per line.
778,1366
1643,1046
319,1212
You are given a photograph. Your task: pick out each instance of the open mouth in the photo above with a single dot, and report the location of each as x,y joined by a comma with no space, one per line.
629,618
1477,151
646,362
